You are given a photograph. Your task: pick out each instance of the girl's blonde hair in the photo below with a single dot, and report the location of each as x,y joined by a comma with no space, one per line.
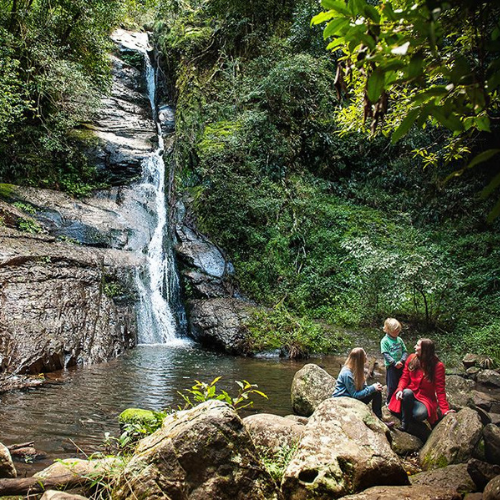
356,363
392,325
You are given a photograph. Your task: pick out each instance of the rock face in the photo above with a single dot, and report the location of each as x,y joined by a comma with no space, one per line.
311,386
200,453
55,308
492,443
399,492
124,128
453,440
218,323
344,450
455,477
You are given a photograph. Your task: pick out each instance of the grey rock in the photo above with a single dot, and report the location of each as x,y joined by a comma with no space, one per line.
404,443
7,468
272,432
452,441
61,495
491,435
311,385
455,477
481,472
344,450
219,323
200,453
492,490
489,377
416,492
458,391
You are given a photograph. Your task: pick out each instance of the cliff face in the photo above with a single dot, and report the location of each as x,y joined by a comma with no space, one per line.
67,267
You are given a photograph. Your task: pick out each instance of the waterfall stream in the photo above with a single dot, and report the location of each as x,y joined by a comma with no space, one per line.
158,284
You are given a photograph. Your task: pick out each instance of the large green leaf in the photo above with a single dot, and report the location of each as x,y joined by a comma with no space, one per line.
375,85
336,5
405,125
335,27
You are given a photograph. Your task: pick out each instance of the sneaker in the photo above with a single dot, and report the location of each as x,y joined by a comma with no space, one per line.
390,425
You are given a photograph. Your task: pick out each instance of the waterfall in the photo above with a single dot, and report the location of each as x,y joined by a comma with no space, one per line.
157,284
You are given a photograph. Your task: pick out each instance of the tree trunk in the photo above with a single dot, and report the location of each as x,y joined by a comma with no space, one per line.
23,486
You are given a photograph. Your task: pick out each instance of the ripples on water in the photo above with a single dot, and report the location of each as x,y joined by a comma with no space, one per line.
81,404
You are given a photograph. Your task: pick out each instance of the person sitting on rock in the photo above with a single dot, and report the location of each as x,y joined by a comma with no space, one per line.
421,389
351,383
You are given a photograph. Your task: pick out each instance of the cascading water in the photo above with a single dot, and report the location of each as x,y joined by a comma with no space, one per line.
157,283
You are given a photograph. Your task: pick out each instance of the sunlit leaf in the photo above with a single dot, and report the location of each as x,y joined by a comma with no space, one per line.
337,5
375,85
335,27
405,125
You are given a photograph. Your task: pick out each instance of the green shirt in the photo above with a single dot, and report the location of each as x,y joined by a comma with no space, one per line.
393,349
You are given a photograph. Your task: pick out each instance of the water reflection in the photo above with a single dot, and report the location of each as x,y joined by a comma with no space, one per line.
81,404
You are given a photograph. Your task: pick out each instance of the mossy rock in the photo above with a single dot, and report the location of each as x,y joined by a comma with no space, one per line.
137,416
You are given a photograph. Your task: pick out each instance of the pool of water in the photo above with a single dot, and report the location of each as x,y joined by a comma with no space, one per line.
78,406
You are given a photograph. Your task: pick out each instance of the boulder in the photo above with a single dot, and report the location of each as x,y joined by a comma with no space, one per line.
273,432
7,468
404,443
455,477
344,450
492,490
458,390
486,401
90,469
311,385
416,492
204,452
219,323
452,441
491,434
489,377
481,472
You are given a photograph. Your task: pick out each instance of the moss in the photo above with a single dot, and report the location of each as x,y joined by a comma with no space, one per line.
6,191
430,463
136,416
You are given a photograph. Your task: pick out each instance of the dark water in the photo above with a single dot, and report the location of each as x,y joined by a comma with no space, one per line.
74,411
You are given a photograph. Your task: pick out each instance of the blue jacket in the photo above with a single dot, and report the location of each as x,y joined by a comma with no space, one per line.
345,386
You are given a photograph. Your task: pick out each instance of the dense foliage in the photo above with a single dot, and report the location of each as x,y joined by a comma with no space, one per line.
54,67
328,226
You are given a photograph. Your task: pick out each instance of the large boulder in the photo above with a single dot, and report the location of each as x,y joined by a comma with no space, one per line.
458,390
452,441
492,490
416,492
344,450
491,435
7,468
311,385
219,323
455,477
482,472
272,432
204,452
489,377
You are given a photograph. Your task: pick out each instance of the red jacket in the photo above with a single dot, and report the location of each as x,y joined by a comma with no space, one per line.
430,394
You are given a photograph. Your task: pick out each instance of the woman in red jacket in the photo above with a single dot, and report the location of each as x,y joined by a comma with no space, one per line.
421,389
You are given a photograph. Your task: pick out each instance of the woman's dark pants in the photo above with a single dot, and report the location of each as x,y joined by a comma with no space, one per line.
411,409
376,399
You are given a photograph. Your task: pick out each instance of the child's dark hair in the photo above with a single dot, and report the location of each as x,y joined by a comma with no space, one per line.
427,360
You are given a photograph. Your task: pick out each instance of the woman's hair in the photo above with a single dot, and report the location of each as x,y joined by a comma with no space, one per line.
427,359
356,363
392,325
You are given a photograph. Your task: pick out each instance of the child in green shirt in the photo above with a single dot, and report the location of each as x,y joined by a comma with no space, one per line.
394,351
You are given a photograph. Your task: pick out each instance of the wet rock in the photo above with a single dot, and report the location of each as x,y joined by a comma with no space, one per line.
219,323
481,472
416,492
455,477
311,385
491,435
7,468
492,490
344,450
452,441
273,432
200,453
55,310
